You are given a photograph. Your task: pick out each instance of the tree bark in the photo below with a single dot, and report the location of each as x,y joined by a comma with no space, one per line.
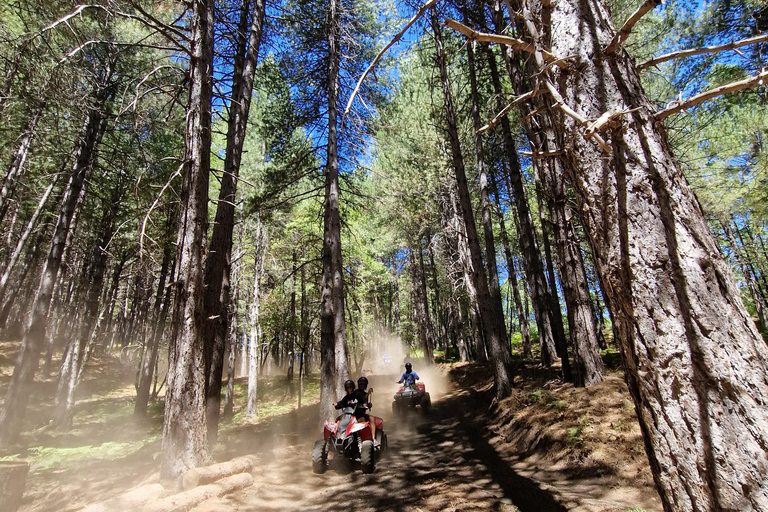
500,355
184,425
333,336
219,261
18,392
695,362
588,368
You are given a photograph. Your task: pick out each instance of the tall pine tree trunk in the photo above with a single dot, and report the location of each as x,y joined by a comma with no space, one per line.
588,368
219,261
529,249
16,167
522,317
485,204
184,427
333,335
499,349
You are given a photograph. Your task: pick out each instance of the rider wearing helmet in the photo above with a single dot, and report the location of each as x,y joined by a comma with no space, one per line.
364,394
350,399
409,376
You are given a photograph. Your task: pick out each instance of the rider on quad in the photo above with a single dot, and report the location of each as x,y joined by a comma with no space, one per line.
364,395
350,399
409,376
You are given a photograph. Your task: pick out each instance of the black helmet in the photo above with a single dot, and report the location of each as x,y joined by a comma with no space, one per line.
349,383
362,383
408,367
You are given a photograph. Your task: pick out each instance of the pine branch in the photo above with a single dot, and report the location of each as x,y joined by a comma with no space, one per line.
378,57
517,44
626,29
701,51
748,83
491,125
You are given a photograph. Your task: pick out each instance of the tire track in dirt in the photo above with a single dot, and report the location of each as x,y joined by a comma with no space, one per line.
442,462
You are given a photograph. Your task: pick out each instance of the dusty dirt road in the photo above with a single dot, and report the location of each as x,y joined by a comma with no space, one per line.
435,463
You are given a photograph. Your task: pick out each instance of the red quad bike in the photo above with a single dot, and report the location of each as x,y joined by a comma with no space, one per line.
350,439
409,396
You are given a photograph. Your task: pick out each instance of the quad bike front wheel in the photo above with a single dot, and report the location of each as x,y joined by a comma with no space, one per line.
381,438
319,457
367,460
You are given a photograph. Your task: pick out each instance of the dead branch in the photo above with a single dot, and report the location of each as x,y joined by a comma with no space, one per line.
378,57
542,154
491,125
560,103
703,50
749,83
517,44
626,29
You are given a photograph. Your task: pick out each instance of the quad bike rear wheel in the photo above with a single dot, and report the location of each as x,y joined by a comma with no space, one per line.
367,460
426,404
319,456
381,437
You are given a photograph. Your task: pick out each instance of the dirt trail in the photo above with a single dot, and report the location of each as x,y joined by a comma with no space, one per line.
441,462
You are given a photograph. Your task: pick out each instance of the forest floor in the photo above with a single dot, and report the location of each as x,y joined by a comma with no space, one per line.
549,447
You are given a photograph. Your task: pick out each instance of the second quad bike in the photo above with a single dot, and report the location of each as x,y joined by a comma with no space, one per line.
350,438
409,397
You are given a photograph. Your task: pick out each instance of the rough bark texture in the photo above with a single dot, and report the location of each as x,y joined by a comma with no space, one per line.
499,349
35,333
695,363
588,368
184,426
333,334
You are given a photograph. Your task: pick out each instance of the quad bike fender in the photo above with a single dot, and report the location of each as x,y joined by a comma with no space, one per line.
421,387
355,428
378,422
329,429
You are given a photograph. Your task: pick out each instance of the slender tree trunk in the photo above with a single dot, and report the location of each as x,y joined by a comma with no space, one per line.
184,424
22,242
485,204
16,167
522,317
534,270
18,393
333,336
229,398
149,361
588,366
219,261
558,330
94,281
254,345
695,363
425,320
500,355
748,274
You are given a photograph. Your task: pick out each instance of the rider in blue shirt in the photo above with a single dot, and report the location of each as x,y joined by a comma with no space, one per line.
409,376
